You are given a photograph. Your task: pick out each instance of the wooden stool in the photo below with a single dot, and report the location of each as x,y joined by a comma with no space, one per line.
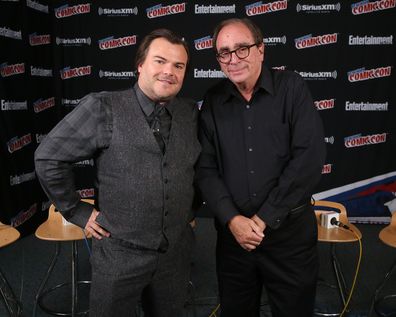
387,236
8,235
55,228
334,236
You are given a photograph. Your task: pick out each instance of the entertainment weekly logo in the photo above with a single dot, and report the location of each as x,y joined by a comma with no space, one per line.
324,104
214,9
159,10
19,179
364,7
11,70
370,40
326,169
111,42
37,6
259,7
65,11
35,39
358,140
366,106
318,8
68,72
11,105
203,43
361,74
41,72
7,32
308,41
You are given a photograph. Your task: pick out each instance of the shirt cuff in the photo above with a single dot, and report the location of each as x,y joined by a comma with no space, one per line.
225,211
273,217
80,214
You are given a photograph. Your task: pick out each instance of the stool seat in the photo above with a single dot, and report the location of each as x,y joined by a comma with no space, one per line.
8,235
57,229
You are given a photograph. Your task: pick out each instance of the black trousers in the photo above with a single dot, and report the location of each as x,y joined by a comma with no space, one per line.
286,264
121,276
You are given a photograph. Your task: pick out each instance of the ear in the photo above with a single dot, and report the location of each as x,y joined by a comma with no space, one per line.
261,48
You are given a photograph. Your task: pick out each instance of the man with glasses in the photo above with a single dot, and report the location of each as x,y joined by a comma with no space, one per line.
262,155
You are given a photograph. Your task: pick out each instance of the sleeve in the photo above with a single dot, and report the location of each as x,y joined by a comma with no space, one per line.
208,174
307,156
77,137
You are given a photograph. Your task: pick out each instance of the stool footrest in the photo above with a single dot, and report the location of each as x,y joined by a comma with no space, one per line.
59,313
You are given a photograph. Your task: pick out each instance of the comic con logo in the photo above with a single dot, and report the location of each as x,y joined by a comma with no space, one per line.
65,11
35,39
366,6
203,43
308,41
68,72
159,10
111,42
13,69
258,8
324,104
16,143
326,169
361,74
362,140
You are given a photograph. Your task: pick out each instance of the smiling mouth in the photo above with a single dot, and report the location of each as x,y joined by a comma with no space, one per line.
167,80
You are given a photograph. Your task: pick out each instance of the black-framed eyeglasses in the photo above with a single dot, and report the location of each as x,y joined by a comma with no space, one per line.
241,52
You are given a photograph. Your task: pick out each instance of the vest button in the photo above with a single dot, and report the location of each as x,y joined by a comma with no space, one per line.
166,181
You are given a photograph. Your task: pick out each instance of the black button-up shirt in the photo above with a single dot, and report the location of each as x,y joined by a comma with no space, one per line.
263,156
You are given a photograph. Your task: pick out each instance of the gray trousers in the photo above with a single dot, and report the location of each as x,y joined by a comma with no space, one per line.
122,276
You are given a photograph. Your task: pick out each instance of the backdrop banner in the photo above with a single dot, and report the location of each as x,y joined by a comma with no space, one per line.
55,52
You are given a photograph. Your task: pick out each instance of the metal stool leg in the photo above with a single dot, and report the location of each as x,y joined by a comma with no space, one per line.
11,302
339,275
376,301
49,271
74,285
341,284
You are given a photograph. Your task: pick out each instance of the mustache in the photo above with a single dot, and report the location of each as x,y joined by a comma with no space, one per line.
168,78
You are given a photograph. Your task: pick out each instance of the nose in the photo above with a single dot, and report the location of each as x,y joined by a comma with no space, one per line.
234,58
168,69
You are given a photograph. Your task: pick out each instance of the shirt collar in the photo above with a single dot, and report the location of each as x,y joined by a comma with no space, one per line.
147,104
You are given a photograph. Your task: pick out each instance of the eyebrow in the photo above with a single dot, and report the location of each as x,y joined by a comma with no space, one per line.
237,45
164,59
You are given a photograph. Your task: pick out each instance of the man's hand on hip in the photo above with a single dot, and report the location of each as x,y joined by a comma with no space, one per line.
94,228
247,233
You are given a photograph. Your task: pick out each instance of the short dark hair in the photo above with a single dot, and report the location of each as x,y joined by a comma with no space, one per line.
168,35
253,28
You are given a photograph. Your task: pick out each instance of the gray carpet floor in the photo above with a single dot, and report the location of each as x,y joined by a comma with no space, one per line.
24,264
